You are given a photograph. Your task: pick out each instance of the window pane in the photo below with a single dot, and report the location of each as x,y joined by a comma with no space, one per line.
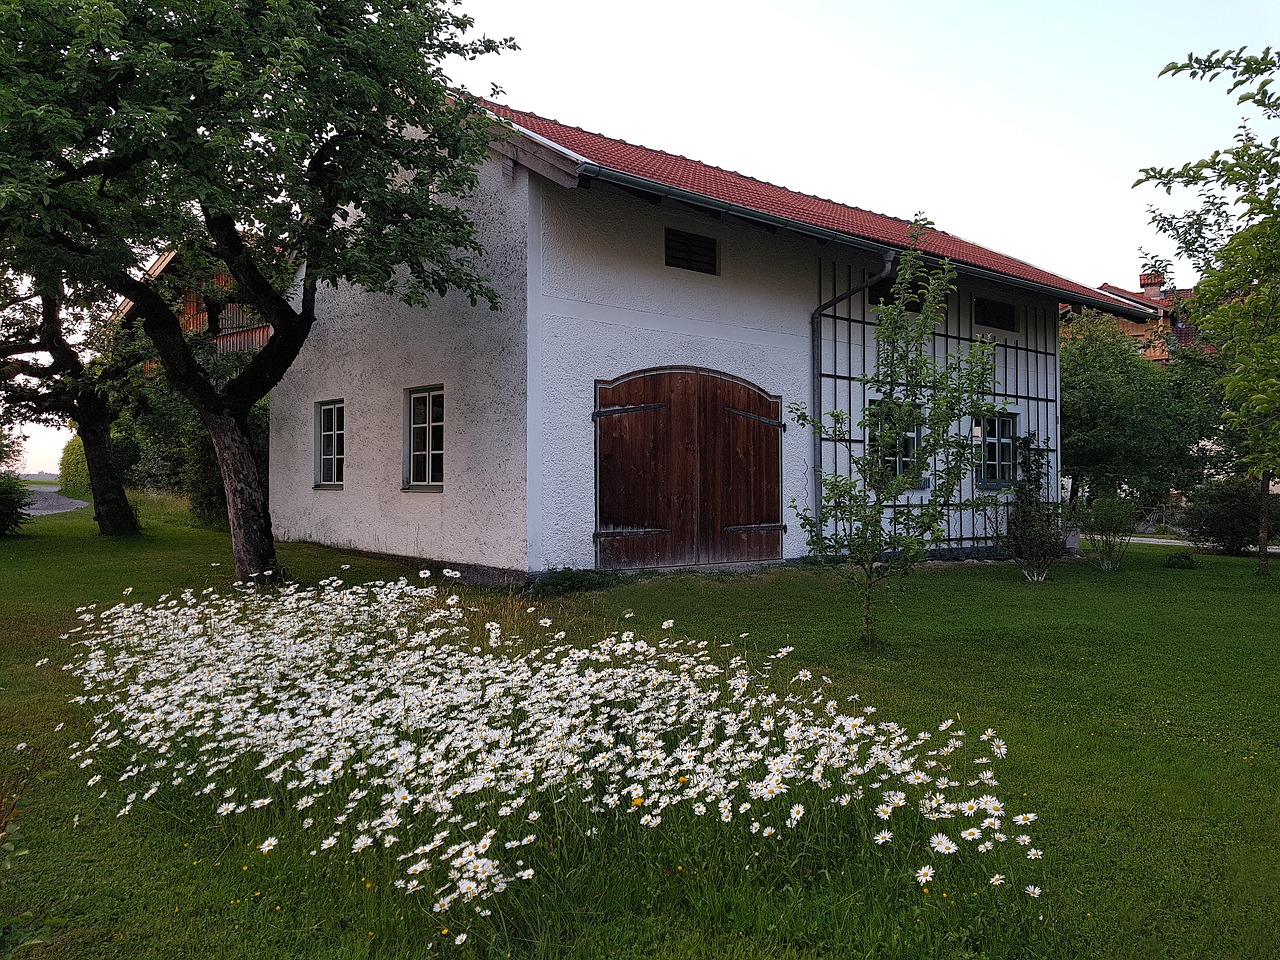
437,468
339,417
437,437
437,408
326,444
419,409
418,439
326,419
326,471
341,445
337,472
418,472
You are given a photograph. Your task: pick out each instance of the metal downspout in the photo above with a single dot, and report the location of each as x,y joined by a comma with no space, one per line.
815,368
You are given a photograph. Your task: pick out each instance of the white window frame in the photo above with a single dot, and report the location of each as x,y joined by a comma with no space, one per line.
901,459
330,467
997,437
424,442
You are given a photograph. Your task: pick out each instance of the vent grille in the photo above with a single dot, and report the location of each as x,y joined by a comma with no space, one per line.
690,251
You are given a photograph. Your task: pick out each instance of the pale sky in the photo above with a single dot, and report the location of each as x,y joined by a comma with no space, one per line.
1017,125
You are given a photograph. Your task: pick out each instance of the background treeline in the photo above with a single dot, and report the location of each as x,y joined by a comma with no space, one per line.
158,443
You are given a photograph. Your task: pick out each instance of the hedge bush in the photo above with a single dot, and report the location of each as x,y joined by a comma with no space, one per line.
1224,514
174,452
73,471
15,499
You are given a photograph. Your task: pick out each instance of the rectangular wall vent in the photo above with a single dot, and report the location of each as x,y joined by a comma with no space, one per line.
690,251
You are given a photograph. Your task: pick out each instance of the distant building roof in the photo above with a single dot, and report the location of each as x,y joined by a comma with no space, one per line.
1134,296
1164,302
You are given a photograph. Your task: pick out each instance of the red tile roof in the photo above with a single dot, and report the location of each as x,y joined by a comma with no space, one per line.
1189,336
741,191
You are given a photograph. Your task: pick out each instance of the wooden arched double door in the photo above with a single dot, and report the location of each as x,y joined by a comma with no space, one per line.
688,470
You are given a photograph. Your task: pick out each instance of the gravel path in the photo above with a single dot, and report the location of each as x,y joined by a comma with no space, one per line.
48,500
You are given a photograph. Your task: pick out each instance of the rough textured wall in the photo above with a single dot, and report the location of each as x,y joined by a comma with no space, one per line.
603,303
367,350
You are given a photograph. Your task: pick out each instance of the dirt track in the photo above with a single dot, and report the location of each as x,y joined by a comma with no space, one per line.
48,500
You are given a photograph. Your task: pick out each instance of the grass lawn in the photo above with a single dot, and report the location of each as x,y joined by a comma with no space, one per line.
1140,710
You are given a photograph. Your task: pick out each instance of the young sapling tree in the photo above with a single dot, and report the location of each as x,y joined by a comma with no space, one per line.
912,445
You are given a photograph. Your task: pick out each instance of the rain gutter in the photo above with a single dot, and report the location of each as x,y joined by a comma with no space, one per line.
594,171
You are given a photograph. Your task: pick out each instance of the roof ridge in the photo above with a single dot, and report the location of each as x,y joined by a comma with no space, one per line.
723,185
710,166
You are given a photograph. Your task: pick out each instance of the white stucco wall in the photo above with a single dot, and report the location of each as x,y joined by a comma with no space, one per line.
586,297
602,303
367,350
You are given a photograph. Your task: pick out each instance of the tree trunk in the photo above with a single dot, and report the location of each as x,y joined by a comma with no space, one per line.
1264,531
111,509
252,543
868,638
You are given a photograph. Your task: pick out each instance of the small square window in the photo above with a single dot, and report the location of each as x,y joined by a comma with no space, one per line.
424,437
881,292
331,443
995,314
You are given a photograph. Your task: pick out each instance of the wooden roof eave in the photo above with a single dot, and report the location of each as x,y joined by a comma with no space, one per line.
536,154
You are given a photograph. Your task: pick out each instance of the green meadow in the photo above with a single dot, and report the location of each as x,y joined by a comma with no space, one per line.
1139,708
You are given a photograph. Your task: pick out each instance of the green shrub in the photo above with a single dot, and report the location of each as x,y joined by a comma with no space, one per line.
1181,560
202,480
73,470
1107,529
1224,515
563,580
163,426
15,498
1032,526
126,452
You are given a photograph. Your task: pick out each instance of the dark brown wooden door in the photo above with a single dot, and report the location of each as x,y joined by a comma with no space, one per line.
688,466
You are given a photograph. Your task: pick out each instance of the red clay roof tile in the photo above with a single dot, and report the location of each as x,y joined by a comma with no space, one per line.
734,188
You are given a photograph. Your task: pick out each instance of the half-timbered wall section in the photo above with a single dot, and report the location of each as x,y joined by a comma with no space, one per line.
1024,330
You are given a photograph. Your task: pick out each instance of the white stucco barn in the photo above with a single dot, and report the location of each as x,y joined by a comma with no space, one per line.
626,406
